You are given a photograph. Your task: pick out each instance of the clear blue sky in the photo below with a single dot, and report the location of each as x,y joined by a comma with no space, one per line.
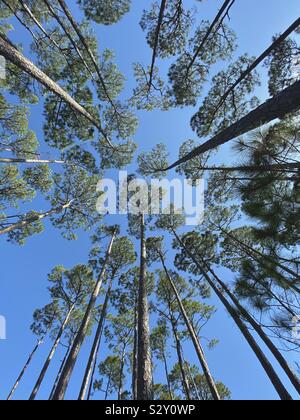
24,270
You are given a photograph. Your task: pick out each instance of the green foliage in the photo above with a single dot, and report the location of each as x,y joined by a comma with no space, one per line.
214,116
106,12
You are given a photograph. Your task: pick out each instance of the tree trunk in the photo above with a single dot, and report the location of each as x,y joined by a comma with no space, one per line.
144,379
30,161
8,51
62,385
198,348
14,388
60,371
95,348
156,39
185,383
276,353
226,4
250,251
135,354
35,218
122,364
51,355
167,376
274,378
286,102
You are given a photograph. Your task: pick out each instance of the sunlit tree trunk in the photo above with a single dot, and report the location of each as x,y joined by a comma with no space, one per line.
62,385
144,378
51,355
27,364
274,378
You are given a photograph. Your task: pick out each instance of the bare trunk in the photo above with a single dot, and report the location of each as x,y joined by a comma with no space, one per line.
122,364
8,51
226,4
198,348
59,372
35,218
144,379
62,385
51,355
286,102
95,348
185,383
274,378
135,354
156,40
276,353
30,161
167,377
14,388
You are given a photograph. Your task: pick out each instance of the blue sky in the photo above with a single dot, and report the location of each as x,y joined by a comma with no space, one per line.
24,269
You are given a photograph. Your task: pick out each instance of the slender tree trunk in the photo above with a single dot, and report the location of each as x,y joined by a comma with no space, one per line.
51,355
8,51
286,102
250,251
156,39
60,371
225,5
185,383
198,348
274,378
135,353
192,379
95,347
35,218
77,29
31,161
122,364
167,376
89,394
40,26
62,385
14,388
258,61
255,168
144,379
276,353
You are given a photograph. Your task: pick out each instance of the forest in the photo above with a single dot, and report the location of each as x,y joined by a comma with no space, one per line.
117,297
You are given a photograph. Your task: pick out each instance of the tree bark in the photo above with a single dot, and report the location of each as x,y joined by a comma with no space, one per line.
144,379
135,353
60,371
198,348
274,378
62,385
167,376
14,388
51,355
286,102
95,347
185,383
35,218
122,364
8,51
30,161
156,40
